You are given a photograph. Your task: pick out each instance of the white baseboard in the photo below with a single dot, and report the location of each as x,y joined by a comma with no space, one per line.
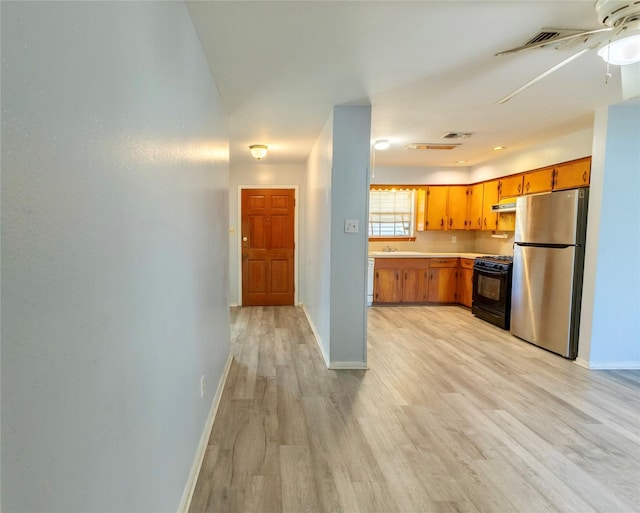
328,363
187,495
581,363
631,365
348,365
316,336
231,305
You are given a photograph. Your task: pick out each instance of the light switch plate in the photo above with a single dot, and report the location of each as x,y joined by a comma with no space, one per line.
351,226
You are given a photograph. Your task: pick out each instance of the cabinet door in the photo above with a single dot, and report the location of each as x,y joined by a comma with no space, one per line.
474,207
387,286
457,207
572,174
489,197
465,286
540,180
410,286
437,207
423,285
443,286
510,186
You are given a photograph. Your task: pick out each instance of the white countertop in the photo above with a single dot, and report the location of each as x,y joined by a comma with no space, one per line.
418,254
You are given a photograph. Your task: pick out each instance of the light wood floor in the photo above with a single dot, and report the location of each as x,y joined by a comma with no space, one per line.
454,415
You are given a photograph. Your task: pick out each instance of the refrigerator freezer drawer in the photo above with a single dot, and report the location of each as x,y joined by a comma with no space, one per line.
552,218
544,301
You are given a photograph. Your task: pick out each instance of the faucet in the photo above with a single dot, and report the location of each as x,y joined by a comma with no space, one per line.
387,249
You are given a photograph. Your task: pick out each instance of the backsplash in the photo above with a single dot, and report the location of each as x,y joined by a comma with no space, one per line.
485,243
441,242
432,242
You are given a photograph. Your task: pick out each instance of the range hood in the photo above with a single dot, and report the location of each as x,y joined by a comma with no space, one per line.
505,205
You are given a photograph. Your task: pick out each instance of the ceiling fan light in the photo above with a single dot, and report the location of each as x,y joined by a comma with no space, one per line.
622,51
258,151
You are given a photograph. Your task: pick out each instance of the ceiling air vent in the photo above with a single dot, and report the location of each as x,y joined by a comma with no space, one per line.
431,146
456,135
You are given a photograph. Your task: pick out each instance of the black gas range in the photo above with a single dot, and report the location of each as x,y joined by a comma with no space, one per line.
492,289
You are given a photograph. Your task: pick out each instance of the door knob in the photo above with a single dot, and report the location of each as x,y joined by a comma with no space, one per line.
245,239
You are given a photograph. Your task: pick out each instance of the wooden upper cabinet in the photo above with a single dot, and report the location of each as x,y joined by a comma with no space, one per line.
570,175
457,207
474,207
540,180
510,186
489,197
437,207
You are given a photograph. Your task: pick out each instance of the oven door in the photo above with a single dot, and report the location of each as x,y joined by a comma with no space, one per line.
490,289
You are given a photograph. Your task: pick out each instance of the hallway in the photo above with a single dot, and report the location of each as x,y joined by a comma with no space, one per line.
453,415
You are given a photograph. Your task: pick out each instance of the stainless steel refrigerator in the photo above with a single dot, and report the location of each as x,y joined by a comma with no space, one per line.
548,262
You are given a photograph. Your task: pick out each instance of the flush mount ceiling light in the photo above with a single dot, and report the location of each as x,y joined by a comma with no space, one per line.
382,144
624,49
498,148
258,151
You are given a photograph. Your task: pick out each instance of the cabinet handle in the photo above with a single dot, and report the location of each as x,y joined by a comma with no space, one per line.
584,177
553,178
405,276
441,221
527,187
485,221
377,275
450,222
397,277
479,222
519,188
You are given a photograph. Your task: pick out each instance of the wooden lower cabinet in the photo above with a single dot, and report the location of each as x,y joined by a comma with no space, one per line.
443,280
465,282
443,285
387,286
423,280
399,280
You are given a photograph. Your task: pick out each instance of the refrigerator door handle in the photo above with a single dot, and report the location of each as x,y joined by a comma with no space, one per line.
551,246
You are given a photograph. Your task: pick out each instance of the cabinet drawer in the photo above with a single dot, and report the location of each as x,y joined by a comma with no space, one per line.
466,263
401,263
443,262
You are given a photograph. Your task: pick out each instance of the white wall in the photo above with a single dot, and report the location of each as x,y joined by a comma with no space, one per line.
421,175
610,323
316,236
114,254
337,188
349,200
573,146
272,176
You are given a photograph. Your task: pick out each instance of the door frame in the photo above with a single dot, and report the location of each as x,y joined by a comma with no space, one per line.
296,266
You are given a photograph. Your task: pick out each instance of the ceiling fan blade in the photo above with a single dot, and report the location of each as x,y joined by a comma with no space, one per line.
542,75
555,40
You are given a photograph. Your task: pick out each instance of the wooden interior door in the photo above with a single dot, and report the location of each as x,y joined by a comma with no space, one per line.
268,247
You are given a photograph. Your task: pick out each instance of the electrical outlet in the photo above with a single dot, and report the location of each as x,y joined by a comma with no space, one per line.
202,386
454,239
351,226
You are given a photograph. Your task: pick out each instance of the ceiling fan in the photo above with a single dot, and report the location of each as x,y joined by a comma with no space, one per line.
621,46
